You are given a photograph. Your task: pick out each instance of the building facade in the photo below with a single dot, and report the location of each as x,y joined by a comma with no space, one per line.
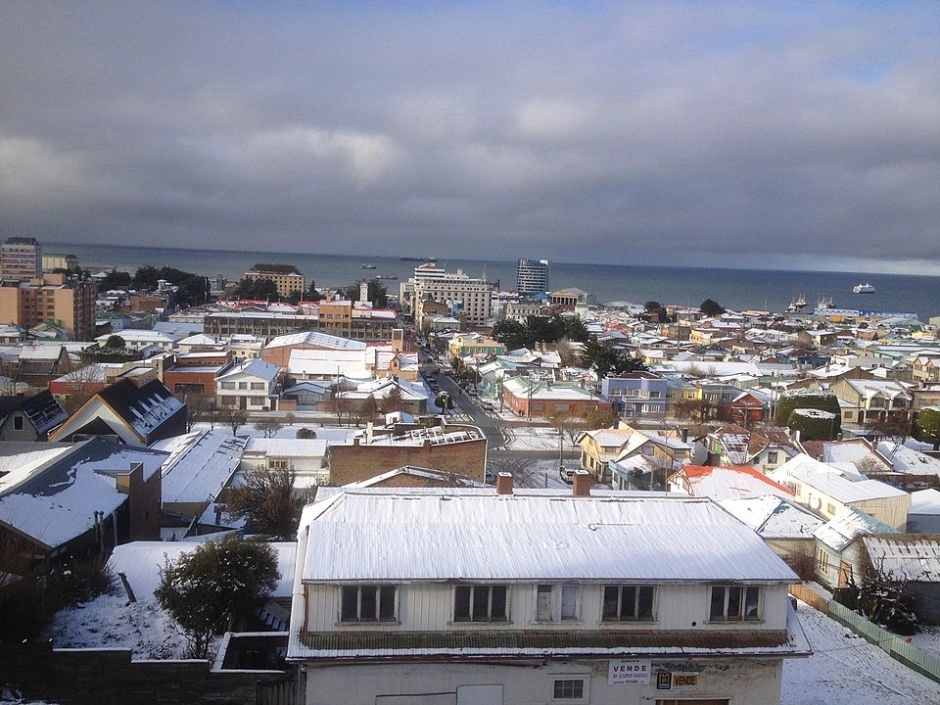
526,597
466,297
286,277
53,297
531,277
20,259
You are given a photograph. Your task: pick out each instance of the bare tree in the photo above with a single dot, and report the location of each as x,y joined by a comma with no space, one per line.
235,418
269,426
198,409
268,501
522,469
82,385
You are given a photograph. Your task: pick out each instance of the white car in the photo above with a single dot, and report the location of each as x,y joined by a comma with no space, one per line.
566,474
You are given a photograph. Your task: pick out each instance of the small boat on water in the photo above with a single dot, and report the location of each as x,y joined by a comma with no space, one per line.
863,289
366,265
387,277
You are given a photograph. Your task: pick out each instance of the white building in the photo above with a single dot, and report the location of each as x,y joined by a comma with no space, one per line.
465,296
465,596
249,385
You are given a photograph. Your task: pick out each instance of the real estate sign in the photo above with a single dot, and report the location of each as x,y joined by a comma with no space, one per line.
632,672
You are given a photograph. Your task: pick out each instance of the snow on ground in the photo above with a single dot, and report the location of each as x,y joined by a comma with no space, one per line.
109,621
846,670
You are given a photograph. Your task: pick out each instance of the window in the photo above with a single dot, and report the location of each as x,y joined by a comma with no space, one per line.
568,689
17,423
257,385
772,457
554,601
735,603
625,603
368,603
228,385
480,603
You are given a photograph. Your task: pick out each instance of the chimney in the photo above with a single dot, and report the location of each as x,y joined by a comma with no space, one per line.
582,483
504,483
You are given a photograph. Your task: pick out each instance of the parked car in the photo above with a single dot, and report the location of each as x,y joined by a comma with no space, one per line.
566,474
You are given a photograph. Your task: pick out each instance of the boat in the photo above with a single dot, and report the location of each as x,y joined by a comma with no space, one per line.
366,265
863,289
797,304
419,259
387,277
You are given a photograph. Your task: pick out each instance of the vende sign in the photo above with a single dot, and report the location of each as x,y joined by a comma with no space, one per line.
632,672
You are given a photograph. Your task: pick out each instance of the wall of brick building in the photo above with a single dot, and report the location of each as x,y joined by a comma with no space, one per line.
354,463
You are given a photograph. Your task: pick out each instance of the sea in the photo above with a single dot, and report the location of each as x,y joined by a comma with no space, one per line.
736,289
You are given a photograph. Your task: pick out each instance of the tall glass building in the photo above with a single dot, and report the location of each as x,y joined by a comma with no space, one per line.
531,276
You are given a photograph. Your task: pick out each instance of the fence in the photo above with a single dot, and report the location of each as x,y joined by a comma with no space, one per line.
895,646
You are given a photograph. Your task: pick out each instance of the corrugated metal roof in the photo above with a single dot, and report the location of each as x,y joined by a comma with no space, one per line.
446,534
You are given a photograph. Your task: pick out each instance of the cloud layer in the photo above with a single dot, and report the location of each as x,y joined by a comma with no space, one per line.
778,134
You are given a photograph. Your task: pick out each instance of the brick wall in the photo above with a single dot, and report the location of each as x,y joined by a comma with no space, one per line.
354,463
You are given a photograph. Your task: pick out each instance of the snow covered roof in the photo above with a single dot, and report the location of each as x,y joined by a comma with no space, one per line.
287,447
320,340
200,465
721,483
909,460
910,557
925,502
848,526
255,367
528,535
329,363
57,501
773,517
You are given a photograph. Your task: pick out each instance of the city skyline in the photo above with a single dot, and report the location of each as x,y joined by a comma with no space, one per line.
788,136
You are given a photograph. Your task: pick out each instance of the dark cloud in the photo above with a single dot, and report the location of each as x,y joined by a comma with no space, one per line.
782,134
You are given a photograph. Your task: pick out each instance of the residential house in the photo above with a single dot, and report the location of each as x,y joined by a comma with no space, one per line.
60,499
613,455
734,445
137,416
784,525
523,597
474,344
867,401
250,386
200,466
388,394
840,553
913,561
29,418
193,375
305,457
925,367
637,394
528,396
720,483
829,491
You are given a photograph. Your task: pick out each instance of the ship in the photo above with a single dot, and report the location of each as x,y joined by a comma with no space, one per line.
797,304
387,277
863,289
419,259
366,265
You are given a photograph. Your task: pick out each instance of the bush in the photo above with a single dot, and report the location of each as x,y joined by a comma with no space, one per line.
306,433
816,427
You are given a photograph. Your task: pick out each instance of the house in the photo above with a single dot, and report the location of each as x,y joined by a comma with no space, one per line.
867,401
628,457
720,483
456,449
133,415
474,344
529,396
786,527
637,394
193,375
353,396
60,499
913,561
248,385
29,418
829,491
765,450
525,596
306,457
199,467
840,555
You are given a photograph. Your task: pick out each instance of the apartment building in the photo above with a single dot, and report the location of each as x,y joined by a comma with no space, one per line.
466,297
53,297
507,597
286,277
20,259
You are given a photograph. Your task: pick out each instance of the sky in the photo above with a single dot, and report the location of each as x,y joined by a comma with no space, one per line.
787,135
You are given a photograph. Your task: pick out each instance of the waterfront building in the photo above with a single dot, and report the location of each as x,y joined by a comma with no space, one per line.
467,298
20,259
531,277
286,277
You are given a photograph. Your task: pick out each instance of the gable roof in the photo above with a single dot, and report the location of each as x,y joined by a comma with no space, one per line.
143,408
720,482
908,557
42,410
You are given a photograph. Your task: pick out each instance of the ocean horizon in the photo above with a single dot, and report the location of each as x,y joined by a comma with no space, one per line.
738,289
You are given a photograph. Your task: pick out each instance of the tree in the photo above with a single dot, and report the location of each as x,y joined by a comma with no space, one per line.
444,402
268,501
393,401
369,408
927,426
376,292
511,333
198,409
207,589
711,308
235,418
115,342
269,426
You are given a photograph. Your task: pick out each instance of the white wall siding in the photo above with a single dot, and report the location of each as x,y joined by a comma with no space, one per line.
745,683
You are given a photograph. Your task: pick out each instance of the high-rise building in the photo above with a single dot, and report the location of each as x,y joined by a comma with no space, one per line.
70,303
20,259
531,276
